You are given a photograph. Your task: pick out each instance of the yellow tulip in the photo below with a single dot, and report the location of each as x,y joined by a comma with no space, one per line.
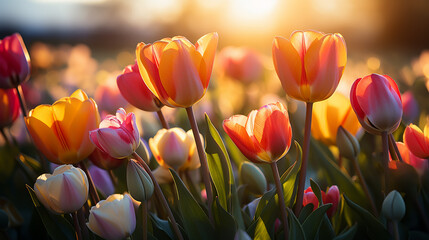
176,71
61,130
329,115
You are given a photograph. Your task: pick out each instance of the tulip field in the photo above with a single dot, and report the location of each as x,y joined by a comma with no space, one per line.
190,140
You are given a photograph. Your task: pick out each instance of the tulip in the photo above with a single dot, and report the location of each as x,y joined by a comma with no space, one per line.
135,91
103,160
239,63
331,196
9,107
109,98
410,107
113,218
253,178
393,207
264,135
63,191
330,114
139,183
117,135
347,144
417,141
14,61
408,157
176,71
102,180
61,130
175,148
310,64
377,103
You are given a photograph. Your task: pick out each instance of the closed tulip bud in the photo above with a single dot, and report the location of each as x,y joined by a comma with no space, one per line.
410,108
139,182
63,191
176,71
417,141
135,91
265,135
310,197
310,64
143,151
253,177
61,130
241,235
240,63
330,114
104,160
14,61
113,218
347,144
117,135
102,180
393,207
9,107
174,148
331,196
377,103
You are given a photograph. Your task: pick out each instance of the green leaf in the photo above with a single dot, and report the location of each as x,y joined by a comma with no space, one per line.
349,234
326,230
225,225
296,231
56,225
376,229
221,172
316,190
195,221
312,224
161,228
305,212
261,231
338,177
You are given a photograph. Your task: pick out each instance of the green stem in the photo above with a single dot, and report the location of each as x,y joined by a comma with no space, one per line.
203,161
364,186
21,100
306,149
395,148
144,219
385,159
161,117
395,230
160,196
282,205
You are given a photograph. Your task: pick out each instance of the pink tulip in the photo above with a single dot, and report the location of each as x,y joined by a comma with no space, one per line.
377,103
103,160
109,98
117,135
135,91
14,61
410,107
331,196
9,107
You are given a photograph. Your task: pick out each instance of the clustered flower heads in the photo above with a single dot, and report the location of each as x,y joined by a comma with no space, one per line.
199,184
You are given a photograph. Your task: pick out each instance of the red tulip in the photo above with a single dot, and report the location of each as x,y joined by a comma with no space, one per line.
417,141
9,107
118,135
331,196
377,103
310,64
135,91
408,157
104,160
14,61
263,136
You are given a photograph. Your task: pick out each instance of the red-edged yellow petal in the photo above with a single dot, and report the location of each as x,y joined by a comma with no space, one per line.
148,67
416,141
207,45
288,66
324,62
42,128
301,40
180,71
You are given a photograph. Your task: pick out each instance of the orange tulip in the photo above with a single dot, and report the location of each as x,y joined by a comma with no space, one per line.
61,130
310,64
263,136
329,115
417,141
176,71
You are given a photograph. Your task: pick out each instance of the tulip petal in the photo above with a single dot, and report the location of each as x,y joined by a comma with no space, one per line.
288,66
301,40
416,141
181,72
207,45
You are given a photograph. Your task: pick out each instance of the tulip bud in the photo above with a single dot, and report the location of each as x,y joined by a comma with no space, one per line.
14,61
310,197
139,182
143,151
113,218
253,177
410,108
250,208
332,196
241,235
9,107
65,191
347,144
102,180
118,135
393,206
